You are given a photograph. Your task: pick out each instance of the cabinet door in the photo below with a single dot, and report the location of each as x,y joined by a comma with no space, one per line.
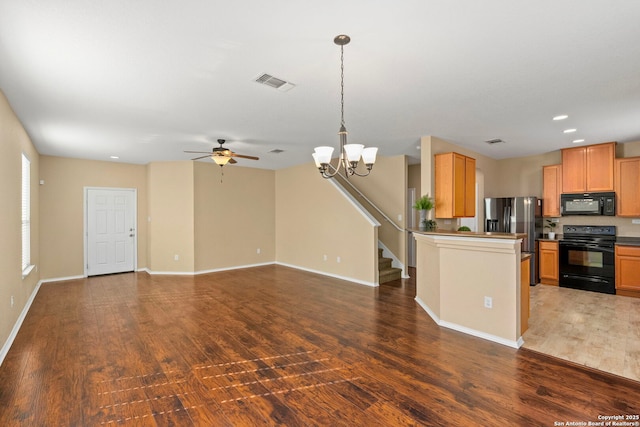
551,190
455,185
549,273
470,187
459,195
627,186
600,160
574,173
627,267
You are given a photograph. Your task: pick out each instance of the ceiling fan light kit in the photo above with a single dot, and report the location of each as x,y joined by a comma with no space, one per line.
350,154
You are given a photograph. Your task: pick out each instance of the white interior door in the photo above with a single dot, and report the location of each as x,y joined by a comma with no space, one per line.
110,230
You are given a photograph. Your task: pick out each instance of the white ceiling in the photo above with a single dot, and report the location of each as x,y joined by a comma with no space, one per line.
145,80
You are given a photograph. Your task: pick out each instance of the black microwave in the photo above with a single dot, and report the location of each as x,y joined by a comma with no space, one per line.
588,204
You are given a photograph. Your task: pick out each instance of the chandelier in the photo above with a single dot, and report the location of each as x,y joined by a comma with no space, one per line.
349,153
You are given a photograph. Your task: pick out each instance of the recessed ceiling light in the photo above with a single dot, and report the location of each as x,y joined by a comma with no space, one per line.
560,117
114,157
570,130
577,141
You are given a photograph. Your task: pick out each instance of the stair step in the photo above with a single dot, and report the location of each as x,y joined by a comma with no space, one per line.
384,263
389,275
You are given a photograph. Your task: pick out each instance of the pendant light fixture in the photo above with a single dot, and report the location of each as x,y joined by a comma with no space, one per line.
349,153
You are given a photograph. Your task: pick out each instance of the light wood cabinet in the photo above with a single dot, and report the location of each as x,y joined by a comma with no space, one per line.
589,168
549,262
627,185
551,190
455,177
627,268
525,310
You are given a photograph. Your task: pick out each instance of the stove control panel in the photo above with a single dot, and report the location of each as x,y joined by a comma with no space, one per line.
594,230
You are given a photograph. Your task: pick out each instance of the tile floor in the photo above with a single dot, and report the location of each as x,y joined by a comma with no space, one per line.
593,329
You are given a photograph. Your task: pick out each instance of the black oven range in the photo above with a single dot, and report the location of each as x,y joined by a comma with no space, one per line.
587,258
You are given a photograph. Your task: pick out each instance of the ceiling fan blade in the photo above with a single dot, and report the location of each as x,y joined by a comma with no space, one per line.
201,157
232,161
199,152
244,157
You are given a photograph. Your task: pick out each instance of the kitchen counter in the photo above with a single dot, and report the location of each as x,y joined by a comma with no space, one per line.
484,235
628,241
471,282
547,239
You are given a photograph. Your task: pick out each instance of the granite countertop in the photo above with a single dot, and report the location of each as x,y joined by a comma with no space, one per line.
486,235
628,241
546,238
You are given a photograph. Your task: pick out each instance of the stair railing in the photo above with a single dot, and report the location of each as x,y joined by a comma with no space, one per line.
386,218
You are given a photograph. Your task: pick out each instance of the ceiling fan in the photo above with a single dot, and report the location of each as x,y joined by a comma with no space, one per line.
221,155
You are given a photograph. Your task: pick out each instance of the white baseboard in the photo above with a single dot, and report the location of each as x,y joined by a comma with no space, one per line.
213,270
324,273
473,332
61,279
14,332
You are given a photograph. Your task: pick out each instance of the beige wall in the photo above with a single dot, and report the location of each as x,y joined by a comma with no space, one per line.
171,217
13,142
487,174
62,209
313,219
386,187
233,218
522,176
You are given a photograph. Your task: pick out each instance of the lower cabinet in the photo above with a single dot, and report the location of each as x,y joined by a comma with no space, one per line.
549,262
525,309
627,268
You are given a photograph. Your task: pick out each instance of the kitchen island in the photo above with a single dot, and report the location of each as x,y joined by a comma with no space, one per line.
471,282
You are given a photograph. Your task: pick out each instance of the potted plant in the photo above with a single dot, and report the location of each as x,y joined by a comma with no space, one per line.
423,205
551,226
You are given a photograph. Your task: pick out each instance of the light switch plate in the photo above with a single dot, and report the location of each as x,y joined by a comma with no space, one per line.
635,221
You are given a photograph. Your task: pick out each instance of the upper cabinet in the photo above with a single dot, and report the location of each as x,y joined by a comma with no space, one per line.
551,190
455,194
627,185
589,168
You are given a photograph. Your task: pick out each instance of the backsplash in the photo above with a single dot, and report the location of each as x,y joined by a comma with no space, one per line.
624,225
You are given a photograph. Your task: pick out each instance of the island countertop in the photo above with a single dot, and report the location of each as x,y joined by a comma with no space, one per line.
486,235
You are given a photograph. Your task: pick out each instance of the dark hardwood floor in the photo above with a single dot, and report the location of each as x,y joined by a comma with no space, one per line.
276,346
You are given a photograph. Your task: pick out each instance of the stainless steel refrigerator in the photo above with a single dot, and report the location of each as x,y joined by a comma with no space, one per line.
516,215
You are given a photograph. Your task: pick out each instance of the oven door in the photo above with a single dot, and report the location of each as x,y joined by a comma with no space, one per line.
587,266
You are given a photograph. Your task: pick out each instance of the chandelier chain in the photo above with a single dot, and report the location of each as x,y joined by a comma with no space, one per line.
342,85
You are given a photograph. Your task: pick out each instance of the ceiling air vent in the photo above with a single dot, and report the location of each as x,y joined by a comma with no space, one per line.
274,82
495,141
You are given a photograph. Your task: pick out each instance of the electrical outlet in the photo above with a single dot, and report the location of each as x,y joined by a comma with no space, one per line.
324,257
488,302
635,221
258,251
399,217
338,260
447,221
176,257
